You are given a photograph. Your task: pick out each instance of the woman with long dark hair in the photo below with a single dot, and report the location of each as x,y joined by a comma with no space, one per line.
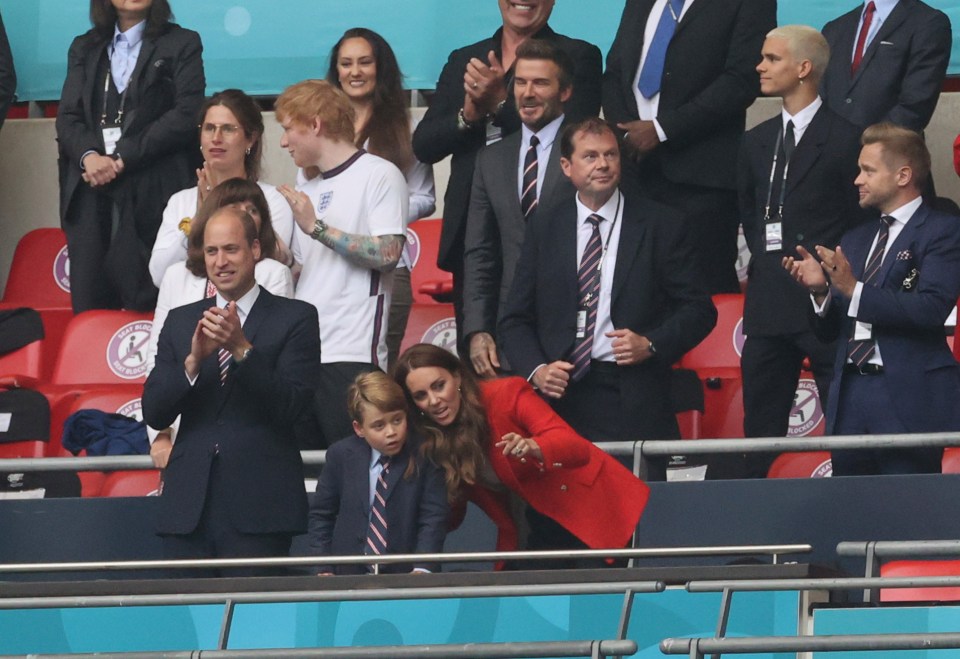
231,142
127,141
496,436
364,66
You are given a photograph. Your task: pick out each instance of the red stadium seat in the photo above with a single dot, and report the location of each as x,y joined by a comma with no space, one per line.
22,367
717,361
131,484
104,347
914,568
24,449
115,399
814,464
951,460
430,284
431,323
40,272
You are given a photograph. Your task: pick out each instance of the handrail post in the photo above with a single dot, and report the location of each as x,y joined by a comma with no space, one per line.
871,567
726,599
625,616
228,608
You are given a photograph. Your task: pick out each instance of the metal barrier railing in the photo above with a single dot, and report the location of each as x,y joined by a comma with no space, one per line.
696,648
873,551
641,451
719,643
532,649
775,551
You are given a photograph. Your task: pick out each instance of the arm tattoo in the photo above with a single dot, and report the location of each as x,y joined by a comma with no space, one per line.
374,252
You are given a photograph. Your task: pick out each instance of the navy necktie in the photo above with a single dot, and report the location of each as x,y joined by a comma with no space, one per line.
859,351
528,197
377,529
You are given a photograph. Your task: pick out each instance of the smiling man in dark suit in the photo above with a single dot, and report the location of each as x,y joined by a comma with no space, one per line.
891,286
513,178
888,61
680,77
239,369
471,108
605,299
796,188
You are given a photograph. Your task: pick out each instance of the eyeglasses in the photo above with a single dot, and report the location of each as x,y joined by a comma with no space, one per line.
227,130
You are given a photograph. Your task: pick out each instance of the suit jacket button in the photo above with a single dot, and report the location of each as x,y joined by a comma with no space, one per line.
563,488
849,100
557,464
799,237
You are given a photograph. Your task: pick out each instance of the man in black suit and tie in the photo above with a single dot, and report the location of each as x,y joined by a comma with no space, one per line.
888,61
680,77
605,299
513,178
796,188
239,369
886,291
471,109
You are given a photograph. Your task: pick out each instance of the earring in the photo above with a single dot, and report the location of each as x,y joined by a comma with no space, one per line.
801,81
458,390
248,148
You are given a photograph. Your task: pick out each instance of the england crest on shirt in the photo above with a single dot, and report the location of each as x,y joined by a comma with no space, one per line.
324,202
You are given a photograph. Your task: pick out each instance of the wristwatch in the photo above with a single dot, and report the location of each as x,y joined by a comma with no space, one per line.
651,347
243,357
318,229
462,123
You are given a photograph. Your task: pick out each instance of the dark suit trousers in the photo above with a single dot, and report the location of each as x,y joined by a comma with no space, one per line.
865,408
330,402
712,216
108,261
215,537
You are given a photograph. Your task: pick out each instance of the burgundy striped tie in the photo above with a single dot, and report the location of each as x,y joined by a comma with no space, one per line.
861,350
377,530
588,277
223,357
528,198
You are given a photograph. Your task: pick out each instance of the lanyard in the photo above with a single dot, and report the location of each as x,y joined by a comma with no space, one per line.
106,92
606,243
783,183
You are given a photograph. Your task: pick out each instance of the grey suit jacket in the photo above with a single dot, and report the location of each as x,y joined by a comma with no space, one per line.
901,72
495,228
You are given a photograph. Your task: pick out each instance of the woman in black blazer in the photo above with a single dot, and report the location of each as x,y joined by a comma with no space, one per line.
127,141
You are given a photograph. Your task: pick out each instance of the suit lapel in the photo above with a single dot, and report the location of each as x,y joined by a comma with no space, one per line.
691,15
511,147
136,78
357,478
808,150
634,47
397,466
563,249
96,53
904,240
553,176
631,235
894,20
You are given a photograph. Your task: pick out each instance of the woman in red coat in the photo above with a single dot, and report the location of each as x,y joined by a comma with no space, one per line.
496,436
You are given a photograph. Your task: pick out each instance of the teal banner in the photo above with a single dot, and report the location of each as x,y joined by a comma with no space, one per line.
261,46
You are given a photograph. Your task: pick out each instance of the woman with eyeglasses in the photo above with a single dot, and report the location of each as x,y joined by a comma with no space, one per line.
126,138
231,141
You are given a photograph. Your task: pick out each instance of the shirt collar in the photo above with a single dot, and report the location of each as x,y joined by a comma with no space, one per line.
374,457
608,211
903,214
547,135
884,8
244,304
802,118
133,36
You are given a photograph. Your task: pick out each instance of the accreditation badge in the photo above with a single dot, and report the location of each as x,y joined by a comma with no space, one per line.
111,135
774,236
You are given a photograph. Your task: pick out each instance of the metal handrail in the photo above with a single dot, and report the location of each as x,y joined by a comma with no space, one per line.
696,648
646,448
450,557
844,583
900,548
411,591
515,650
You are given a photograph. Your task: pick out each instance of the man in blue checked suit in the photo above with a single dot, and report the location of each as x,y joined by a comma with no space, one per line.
886,291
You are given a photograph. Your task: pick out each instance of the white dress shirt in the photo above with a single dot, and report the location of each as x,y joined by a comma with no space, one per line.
612,214
124,51
647,107
801,119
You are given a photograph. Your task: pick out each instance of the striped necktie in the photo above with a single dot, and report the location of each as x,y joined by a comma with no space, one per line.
588,277
223,356
377,529
528,199
859,351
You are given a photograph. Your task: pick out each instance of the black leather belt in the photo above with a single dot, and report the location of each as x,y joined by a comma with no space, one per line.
864,369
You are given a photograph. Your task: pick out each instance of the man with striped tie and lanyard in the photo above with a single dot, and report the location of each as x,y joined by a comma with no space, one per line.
512,179
240,369
886,291
605,299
